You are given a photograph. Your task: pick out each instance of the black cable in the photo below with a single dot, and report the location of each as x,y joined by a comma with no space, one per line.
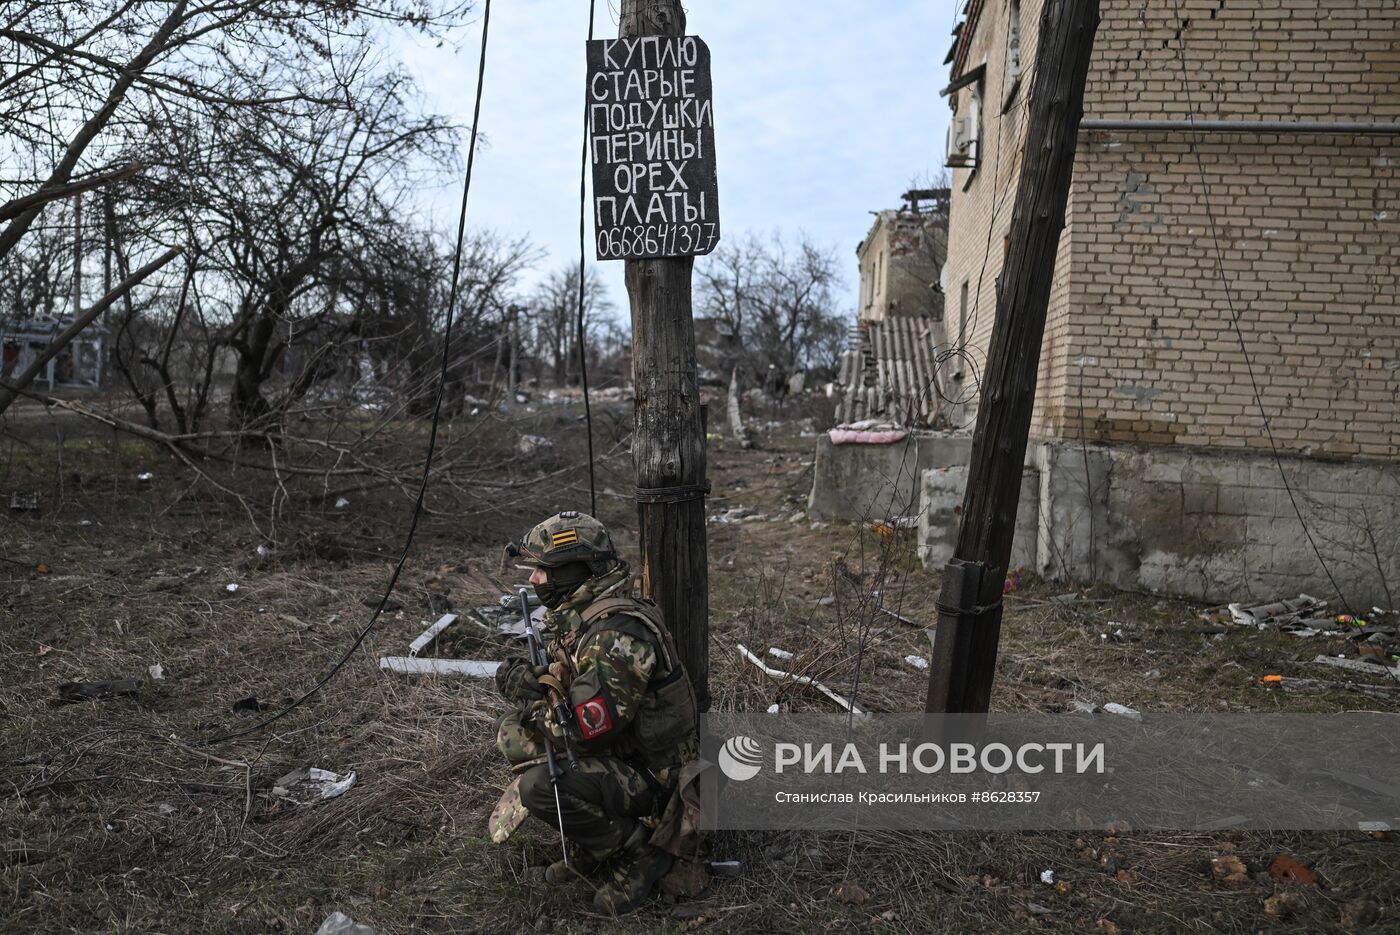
432,434
1234,315
582,349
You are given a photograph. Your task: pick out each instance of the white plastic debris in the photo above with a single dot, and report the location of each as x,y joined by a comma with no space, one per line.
311,784
263,551
341,502
918,662
428,636
777,653
157,671
145,477
85,522
1047,877
231,587
773,708
413,665
338,923
1114,707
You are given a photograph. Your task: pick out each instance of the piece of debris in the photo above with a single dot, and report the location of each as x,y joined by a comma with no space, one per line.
342,502
157,672
1085,707
1359,912
530,444
726,868
1229,870
1288,869
231,587
428,636
1013,580
85,691
338,923
777,653
411,665
1275,612
310,784
889,613
918,662
1114,707
852,894
1047,877
24,501
827,601
145,477
800,680
774,708
1359,665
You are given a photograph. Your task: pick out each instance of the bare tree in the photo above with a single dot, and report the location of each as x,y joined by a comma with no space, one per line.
95,92
775,306
553,311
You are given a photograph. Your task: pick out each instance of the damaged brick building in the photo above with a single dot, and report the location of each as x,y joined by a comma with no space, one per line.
1223,338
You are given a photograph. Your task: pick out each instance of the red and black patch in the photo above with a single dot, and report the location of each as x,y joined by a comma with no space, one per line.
593,717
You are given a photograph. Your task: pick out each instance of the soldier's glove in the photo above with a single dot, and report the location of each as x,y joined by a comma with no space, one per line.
520,681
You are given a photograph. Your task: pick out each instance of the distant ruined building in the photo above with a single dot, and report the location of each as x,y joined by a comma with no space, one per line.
892,368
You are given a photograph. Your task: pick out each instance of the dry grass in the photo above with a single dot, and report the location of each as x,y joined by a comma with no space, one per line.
111,825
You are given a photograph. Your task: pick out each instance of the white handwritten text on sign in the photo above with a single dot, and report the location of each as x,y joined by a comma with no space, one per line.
651,137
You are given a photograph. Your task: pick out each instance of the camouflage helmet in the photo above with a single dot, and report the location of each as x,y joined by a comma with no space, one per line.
566,537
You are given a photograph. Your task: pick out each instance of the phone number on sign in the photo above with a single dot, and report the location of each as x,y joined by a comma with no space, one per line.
657,240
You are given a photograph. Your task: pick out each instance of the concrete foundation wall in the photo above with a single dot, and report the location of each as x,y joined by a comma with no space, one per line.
1218,526
1208,525
856,482
940,515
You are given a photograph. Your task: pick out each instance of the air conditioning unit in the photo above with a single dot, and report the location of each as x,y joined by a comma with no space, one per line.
962,143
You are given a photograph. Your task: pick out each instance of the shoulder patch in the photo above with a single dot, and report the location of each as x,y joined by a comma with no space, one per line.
593,717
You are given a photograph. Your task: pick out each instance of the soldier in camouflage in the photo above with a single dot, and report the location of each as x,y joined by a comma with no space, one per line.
633,718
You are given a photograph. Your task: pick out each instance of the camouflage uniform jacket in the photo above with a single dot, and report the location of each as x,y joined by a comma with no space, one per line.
629,693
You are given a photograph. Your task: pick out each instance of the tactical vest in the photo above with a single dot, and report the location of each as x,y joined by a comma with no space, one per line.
663,734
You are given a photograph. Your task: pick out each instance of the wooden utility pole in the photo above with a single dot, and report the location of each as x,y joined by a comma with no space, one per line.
969,619
668,442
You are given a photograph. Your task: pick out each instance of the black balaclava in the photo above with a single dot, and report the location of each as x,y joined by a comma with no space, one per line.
561,582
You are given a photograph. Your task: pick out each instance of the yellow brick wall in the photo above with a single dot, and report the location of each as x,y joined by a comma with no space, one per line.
1309,230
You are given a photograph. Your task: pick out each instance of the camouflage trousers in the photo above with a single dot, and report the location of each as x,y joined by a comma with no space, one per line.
601,800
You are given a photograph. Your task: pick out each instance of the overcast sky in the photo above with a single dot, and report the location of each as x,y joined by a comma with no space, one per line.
823,113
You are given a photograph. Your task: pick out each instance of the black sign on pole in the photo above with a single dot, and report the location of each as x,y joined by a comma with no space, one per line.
651,136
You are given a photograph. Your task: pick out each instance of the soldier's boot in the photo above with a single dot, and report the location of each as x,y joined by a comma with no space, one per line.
639,866
581,864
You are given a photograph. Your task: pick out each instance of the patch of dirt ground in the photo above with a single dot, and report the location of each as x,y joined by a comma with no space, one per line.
112,820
